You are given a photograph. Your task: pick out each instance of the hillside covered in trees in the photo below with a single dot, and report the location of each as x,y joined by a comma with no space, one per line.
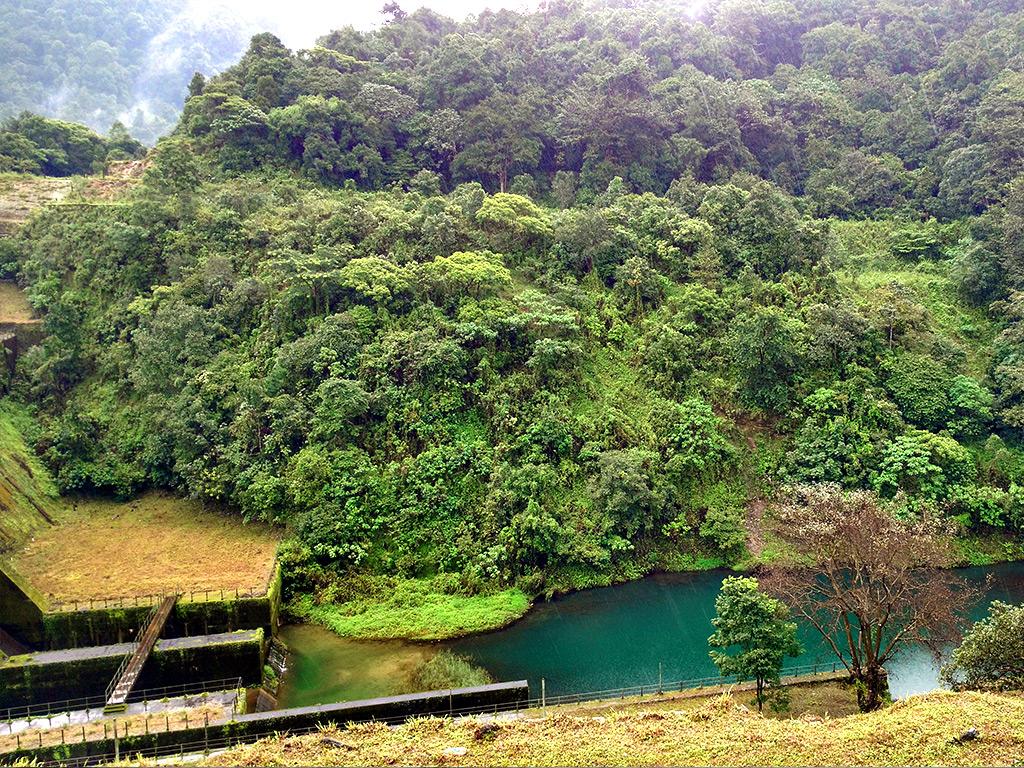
540,300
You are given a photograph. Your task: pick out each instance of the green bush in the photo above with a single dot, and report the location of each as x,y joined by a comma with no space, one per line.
448,670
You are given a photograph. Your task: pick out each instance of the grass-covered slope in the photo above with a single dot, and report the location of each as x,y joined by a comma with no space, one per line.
920,731
28,498
97,546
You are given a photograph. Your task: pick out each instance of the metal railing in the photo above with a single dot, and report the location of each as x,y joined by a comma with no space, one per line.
139,724
133,647
670,686
51,709
142,601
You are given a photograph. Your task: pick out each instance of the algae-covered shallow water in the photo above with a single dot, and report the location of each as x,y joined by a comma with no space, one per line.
593,640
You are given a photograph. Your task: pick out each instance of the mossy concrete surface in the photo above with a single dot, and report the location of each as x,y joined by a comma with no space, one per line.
21,607
28,497
53,676
105,626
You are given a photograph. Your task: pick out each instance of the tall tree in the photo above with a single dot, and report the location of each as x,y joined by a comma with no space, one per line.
869,582
758,627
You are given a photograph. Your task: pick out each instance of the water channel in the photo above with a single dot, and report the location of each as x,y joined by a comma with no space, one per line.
593,640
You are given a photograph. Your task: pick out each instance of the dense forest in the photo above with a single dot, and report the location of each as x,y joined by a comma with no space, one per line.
543,299
44,147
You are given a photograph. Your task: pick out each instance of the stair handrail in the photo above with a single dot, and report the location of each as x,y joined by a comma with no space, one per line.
134,646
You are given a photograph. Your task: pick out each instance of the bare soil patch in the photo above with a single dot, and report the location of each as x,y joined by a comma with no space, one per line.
14,307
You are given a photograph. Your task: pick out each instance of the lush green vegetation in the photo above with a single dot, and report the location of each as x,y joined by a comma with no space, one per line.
417,609
28,498
990,657
33,144
448,670
539,301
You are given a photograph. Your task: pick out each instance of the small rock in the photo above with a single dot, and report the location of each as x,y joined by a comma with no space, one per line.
486,731
969,735
334,743
456,751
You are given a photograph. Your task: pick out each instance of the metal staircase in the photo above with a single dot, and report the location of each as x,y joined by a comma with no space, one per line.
128,674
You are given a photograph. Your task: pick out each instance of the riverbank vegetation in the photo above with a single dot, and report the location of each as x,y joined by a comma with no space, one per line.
924,730
483,328
448,670
382,608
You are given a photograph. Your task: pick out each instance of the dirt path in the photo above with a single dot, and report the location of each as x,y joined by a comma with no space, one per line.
755,526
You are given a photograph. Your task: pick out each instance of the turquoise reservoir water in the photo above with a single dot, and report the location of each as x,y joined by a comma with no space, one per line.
593,640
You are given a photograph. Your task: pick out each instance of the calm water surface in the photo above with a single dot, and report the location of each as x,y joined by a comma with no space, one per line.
602,638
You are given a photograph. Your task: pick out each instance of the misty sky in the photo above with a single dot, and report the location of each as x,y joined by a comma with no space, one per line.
299,22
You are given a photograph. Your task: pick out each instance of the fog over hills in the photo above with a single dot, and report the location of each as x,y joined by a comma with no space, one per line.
97,61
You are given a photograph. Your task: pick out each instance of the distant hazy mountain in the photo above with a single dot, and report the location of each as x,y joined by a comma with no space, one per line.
98,61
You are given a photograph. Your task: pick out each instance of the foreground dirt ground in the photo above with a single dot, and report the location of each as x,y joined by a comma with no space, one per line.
152,545
923,730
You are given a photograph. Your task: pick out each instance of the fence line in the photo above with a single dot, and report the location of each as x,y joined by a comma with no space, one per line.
143,601
50,709
207,744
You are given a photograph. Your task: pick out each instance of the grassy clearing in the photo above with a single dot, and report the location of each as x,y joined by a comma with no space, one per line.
21,194
28,497
154,544
919,731
414,610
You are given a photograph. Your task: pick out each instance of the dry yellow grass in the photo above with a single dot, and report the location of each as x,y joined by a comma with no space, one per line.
14,307
155,544
918,731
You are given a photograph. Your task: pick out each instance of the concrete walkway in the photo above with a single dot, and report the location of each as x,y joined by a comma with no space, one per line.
223,699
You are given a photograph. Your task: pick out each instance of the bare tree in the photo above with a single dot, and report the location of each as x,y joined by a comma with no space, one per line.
869,582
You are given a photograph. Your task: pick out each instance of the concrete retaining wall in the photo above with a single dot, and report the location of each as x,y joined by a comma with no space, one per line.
77,673
21,608
109,626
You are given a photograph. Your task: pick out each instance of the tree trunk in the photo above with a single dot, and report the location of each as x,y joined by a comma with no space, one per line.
872,687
